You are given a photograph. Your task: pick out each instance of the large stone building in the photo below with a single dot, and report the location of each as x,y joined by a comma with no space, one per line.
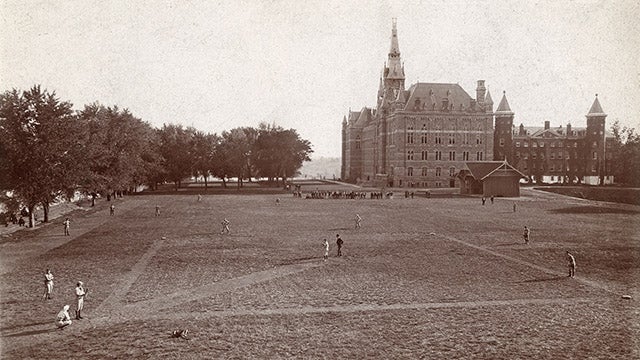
559,154
416,137
423,135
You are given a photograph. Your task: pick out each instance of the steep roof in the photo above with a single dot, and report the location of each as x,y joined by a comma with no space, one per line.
364,118
433,93
488,99
596,109
480,170
504,105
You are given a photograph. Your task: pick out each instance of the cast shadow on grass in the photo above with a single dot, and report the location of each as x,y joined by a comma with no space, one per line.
340,229
555,278
13,327
32,332
592,210
300,260
508,244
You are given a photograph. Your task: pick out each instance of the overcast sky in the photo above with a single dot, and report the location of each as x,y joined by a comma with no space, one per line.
303,64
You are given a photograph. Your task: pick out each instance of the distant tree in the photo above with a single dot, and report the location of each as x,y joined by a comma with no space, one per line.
120,149
236,150
176,150
43,155
279,153
204,148
625,155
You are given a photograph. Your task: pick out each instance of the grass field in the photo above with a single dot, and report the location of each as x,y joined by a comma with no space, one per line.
438,278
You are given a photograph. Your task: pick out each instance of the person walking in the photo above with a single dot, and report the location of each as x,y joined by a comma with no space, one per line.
48,285
67,225
326,250
526,234
484,199
112,210
358,221
157,210
81,292
225,226
63,319
339,242
571,262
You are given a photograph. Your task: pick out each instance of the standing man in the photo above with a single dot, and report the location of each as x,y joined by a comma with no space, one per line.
199,197
157,210
491,199
112,210
526,235
63,319
572,264
67,224
484,199
358,221
225,226
80,294
514,207
48,285
326,250
339,242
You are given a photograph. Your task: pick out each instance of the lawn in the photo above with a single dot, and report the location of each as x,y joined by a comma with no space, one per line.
423,278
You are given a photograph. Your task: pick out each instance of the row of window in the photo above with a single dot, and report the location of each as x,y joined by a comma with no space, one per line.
553,156
438,139
424,155
551,144
553,167
438,126
438,171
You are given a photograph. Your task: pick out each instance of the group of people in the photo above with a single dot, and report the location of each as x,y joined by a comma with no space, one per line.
325,244
63,319
571,260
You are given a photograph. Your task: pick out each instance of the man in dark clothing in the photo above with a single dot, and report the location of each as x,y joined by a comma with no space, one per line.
339,242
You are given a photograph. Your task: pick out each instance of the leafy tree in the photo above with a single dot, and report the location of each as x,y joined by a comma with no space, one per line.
204,149
119,149
176,150
625,155
279,153
236,150
43,155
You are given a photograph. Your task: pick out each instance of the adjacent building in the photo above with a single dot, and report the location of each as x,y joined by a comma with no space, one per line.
423,135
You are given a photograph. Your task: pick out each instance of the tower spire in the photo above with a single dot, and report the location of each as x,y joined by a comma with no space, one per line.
395,69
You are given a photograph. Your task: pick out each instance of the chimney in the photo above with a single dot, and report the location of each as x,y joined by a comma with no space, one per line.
546,125
481,91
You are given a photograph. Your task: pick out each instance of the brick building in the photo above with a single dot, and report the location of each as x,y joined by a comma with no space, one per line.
423,135
416,137
556,154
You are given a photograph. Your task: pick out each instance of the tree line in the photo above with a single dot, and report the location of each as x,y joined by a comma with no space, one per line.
49,151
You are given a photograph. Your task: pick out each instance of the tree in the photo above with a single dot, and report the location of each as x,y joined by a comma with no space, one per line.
279,153
204,148
43,155
120,151
624,158
175,148
236,149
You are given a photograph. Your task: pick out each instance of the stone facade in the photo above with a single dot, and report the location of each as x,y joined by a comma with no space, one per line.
416,137
423,135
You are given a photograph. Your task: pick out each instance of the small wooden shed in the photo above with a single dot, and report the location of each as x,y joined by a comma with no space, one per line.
490,178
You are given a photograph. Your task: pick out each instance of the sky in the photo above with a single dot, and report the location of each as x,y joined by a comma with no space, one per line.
304,64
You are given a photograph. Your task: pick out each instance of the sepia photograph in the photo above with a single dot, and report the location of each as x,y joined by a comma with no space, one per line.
339,179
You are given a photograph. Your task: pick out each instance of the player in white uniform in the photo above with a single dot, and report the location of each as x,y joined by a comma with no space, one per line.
48,284
80,294
63,319
326,250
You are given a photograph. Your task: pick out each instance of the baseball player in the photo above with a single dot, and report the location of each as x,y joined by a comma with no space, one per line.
48,284
63,319
81,292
